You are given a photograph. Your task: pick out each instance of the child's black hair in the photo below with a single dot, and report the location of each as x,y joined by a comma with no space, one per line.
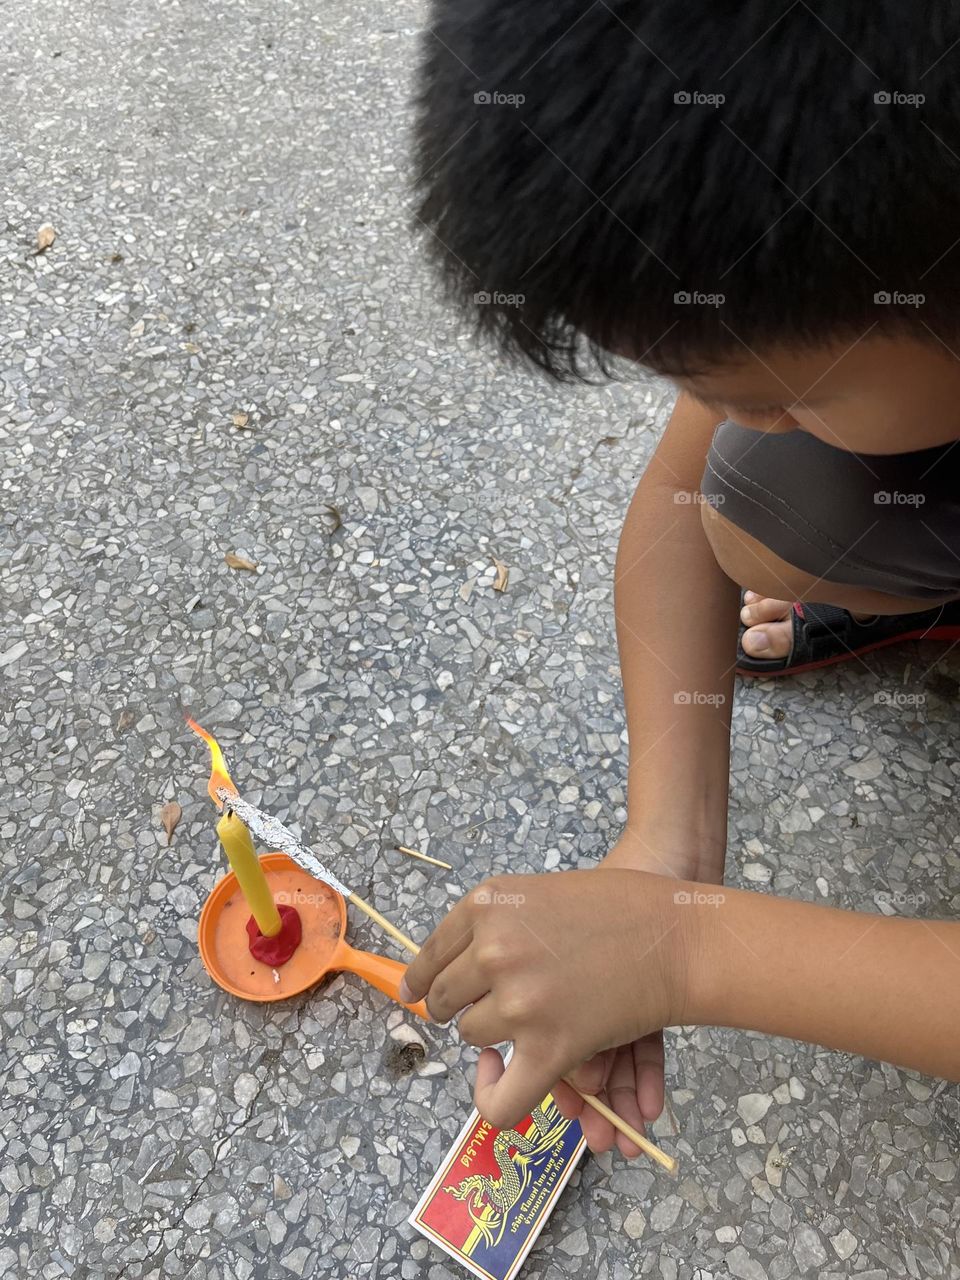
578,173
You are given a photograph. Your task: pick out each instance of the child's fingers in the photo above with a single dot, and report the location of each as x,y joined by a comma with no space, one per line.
481,1025
451,937
598,1131
594,1076
458,985
591,1076
622,1093
569,1103
504,1097
648,1067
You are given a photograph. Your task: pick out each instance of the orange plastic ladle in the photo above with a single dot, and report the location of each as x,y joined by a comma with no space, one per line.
225,951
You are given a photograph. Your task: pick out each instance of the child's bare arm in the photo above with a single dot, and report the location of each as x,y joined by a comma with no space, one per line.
884,987
676,627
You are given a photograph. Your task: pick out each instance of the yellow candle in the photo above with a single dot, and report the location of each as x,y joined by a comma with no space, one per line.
239,849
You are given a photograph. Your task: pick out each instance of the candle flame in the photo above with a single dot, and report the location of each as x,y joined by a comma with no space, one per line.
219,774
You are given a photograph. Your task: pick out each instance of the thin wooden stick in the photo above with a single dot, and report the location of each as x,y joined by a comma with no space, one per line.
668,1162
384,923
424,857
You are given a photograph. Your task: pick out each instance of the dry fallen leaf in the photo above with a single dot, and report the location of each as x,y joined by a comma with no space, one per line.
45,237
240,562
170,815
241,419
503,575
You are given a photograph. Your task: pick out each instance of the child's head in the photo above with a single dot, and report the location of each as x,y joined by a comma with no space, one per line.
763,203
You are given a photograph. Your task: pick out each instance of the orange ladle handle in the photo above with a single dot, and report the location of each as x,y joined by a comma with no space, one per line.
379,971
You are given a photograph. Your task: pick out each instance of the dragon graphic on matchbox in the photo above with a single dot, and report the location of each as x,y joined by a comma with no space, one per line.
492,1195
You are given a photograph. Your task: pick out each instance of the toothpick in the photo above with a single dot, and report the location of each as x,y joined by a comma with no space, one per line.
424,857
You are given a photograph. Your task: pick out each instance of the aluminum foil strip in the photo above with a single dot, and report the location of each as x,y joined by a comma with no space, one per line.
272,834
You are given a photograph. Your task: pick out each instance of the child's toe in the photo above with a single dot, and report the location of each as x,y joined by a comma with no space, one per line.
770,640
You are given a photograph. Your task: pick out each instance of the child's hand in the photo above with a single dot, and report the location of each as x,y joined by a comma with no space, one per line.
564,965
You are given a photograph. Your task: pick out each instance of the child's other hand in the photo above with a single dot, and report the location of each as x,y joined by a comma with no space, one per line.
565,965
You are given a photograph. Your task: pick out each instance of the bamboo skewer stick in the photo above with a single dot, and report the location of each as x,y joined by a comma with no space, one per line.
383,922
650,1148
424,857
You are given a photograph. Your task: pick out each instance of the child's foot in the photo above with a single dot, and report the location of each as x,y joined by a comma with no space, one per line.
768,626
768,630
780,636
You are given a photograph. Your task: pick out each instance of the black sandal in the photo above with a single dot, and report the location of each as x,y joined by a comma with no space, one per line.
824,634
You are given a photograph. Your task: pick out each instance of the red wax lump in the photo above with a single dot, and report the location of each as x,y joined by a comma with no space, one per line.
278,949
